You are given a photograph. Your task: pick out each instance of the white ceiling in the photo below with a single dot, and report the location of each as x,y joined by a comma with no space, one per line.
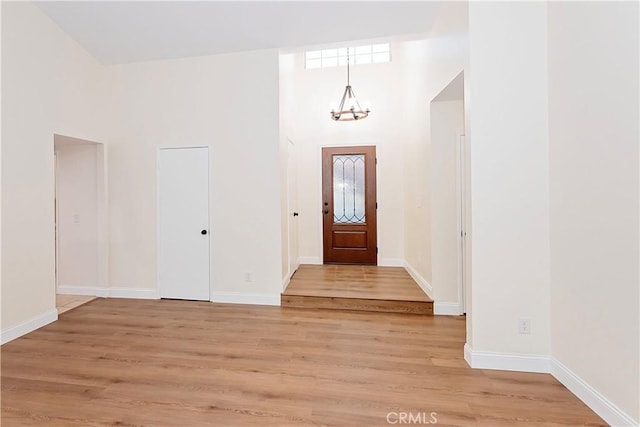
120,32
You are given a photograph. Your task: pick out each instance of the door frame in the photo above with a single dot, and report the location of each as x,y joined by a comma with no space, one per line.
461,212
374,208
97,288
291,192
55,215
319,260
169,147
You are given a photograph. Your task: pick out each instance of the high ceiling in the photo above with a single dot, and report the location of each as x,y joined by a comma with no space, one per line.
120,32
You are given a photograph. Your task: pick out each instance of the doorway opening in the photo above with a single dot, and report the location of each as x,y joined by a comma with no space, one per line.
79,221
449,198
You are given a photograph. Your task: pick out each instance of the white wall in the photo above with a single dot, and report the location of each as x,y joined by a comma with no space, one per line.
230,104
447,124
49,85
78,245
555,196
593,127
431,65
509,177
2,338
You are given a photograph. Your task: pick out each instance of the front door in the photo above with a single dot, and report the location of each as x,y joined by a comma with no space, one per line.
349,205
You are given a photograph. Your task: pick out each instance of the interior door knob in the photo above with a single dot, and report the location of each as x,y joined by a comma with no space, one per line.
203,232
326,212
295,214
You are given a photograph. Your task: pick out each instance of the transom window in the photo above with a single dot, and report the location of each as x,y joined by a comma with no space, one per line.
369,54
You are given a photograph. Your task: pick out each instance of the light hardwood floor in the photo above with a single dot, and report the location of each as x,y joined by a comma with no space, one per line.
183,363
65,303
355,281
353,287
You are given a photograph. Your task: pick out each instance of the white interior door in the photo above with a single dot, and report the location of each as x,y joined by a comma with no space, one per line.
292,194
183,223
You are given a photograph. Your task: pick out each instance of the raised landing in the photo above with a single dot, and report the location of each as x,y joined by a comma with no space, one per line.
351,287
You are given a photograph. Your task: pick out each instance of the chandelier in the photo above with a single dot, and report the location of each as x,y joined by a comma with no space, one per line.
349,108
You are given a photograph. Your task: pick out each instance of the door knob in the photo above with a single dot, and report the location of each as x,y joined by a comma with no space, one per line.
295,214
326,212
203,232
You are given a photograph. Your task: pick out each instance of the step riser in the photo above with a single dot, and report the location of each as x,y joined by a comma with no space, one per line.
358,304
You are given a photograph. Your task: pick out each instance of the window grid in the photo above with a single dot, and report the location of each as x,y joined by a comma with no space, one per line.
369,54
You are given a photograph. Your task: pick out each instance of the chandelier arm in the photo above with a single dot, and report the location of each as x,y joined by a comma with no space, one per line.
341,106
353,96
345,95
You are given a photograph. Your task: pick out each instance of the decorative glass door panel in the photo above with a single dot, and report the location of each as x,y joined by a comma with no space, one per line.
348,189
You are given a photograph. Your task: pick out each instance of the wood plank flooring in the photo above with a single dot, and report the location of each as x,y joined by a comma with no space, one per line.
353,287
183,363
65,303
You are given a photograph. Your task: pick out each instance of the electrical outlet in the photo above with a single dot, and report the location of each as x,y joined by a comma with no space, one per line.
524,325
248,277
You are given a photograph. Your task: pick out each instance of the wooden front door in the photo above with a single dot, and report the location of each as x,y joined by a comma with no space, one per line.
349,205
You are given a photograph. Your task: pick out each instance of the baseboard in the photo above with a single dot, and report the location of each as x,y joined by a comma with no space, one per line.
602,406
287,279
27,326
426,286
146,293
285,282
313,260
95,291
383,262
609,412
446,309
135,293
391,262
237,298
506,361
